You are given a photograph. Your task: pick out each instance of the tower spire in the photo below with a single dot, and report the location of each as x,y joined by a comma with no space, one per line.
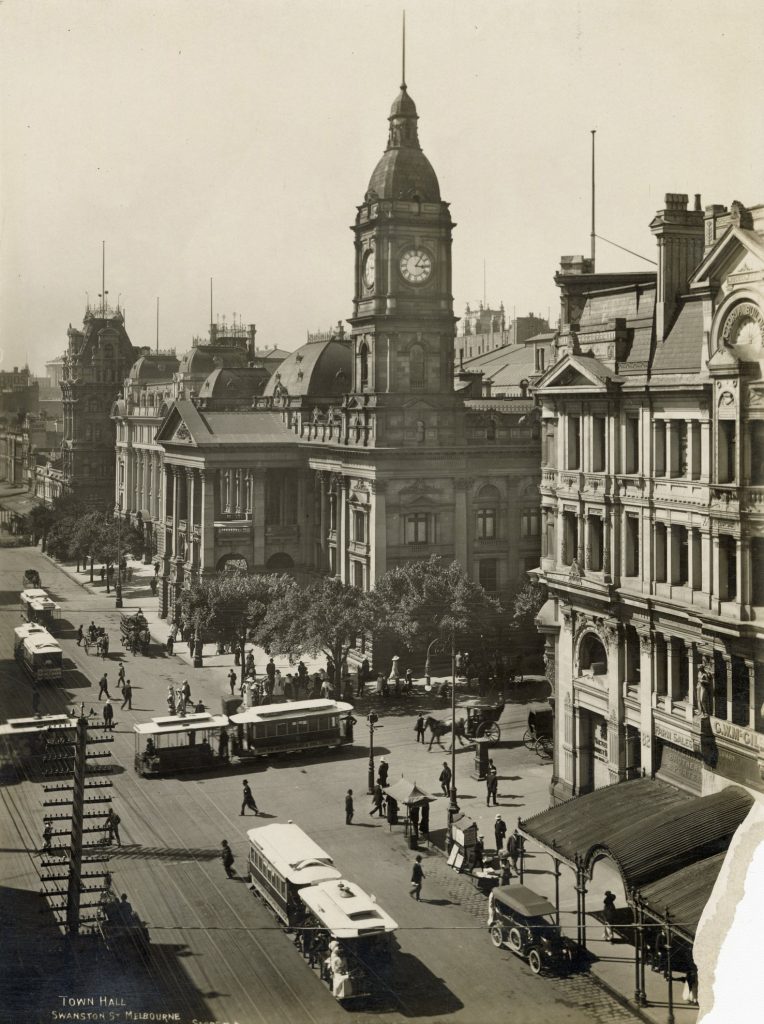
403,62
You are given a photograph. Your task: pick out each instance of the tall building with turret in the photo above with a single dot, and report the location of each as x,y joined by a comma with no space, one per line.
97,360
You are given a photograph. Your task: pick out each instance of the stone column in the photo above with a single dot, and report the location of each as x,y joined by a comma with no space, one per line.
258,517
460,522
693,659
207,525
377,532
670,553
175,510
342,529
750,666
673,668
705,450
728,668
190,495
581,538
323,520
706,559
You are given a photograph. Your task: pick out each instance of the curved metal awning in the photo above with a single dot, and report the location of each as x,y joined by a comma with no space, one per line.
668,845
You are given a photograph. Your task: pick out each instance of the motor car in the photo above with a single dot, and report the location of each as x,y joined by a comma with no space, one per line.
524,922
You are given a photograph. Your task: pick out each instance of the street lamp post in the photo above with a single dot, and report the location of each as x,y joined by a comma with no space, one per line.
371,718
118,586
427,662
453,806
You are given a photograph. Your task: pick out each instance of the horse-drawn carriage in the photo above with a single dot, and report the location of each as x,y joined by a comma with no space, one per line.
481,718
134,630
94,639
121,929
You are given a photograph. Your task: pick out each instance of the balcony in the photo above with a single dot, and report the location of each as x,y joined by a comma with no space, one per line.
752,500
569,480
230,529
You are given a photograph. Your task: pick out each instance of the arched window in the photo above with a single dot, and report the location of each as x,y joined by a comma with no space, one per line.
416,367
487,514
592,659
363,354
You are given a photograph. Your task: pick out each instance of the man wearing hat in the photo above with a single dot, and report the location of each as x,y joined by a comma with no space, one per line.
384,768
499,830
479,851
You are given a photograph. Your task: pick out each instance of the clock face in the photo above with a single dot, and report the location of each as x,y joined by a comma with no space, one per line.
369,265
416,266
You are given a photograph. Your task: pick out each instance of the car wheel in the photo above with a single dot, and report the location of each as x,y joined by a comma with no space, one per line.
534,961
497,936
515,939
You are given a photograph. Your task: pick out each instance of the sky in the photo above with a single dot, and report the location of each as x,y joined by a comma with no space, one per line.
233,140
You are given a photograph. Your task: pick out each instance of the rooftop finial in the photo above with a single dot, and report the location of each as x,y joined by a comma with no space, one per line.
403,64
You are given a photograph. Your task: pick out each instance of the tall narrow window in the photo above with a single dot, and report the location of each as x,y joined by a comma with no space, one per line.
416,368
530,523
359,527
486,523
364,365
488,575
574,442
631,567
416,528
756,443
659,537
598,444
631,453
727,567
727,446
659,435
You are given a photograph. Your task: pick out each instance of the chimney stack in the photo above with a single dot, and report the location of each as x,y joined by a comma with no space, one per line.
680,235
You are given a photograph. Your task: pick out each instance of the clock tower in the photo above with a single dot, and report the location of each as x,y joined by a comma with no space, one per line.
403,321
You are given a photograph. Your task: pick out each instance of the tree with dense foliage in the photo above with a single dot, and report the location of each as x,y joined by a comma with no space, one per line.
232,606
326,616
430,603
40,520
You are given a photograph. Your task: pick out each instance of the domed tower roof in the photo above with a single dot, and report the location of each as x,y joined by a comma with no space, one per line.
319,368
404,172
234,385
151,366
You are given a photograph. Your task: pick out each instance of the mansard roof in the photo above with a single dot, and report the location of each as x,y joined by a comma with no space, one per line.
319,368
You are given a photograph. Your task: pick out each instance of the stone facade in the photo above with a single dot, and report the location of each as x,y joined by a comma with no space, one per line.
363,452
96,363
653,510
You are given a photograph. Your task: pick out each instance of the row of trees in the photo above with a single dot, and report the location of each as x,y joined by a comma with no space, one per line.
72,531
425,605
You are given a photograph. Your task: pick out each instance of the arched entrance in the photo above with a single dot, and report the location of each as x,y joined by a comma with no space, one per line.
232,563
280,562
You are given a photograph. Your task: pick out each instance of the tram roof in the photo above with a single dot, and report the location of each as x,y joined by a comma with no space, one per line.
29,629
184,723
346,910
293,853
43,644
290,709
42,604
19,726
33,594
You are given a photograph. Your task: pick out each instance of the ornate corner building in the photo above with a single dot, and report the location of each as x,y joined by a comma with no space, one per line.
97,360
653,510
362,450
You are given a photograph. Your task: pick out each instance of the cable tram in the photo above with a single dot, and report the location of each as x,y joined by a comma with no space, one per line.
348,936
293,726
283,860
24,742
36,606
179,743
38,653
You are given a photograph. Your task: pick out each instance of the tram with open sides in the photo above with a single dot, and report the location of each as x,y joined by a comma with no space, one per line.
24,743
282,861
293,726
38,653
177,743
37,607
349,937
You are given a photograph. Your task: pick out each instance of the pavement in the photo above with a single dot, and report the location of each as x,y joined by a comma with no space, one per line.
311,793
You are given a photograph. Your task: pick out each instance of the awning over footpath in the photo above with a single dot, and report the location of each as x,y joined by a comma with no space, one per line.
20,504
668,844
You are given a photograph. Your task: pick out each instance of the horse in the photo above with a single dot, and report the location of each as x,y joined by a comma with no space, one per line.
439,729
